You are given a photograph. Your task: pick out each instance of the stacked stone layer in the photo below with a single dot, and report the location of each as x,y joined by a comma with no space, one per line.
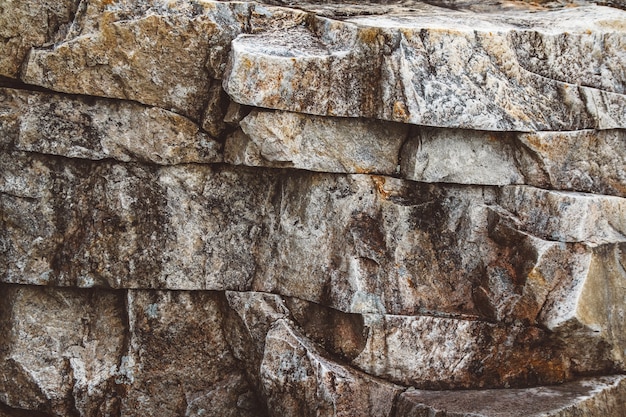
243,209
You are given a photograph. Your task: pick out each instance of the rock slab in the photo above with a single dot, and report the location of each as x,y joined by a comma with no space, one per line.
382,208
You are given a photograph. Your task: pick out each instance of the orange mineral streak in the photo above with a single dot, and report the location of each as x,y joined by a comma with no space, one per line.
379,183
400,112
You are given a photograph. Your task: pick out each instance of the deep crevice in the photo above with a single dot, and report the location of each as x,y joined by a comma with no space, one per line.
6,82
21,412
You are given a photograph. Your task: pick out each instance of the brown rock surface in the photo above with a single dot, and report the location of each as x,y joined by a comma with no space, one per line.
383,208
27,24
592,397
88,128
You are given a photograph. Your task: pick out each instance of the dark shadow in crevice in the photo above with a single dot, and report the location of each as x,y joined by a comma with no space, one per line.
20,412
6,82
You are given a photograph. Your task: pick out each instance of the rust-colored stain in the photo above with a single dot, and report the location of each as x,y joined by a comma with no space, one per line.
368,35
379,183
411,283
494,137
538,144
400,112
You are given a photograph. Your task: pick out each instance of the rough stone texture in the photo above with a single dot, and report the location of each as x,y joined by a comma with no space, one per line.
155,52
323,144
369,245
366,241
593,397
419,351
328,389
587,160
441,67
566,217
60,349
26,24
180,367
88,128
324,209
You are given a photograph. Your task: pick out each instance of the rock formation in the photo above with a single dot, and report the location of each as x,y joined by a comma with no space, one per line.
391,208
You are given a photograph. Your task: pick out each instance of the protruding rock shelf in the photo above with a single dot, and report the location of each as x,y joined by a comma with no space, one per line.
388,208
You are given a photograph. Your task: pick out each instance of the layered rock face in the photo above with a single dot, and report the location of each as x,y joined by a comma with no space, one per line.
393,208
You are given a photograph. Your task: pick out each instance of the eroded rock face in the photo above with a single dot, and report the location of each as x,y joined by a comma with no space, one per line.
387,208
95,129
586,397
441,67
24,25
60,350
155,52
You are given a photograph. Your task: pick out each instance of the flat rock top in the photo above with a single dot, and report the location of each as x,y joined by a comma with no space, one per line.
518,66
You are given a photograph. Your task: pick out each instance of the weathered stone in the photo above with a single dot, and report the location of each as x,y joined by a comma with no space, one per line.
155,52
420,351
603,396
440,67
294,375
369,244
524,87
588,160
566,216
282,139
26,24
178,367
413,212
298,380
60,349
99,129
213,118
591,311
461,157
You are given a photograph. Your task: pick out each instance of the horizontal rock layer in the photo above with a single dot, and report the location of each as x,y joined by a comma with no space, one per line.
443,68
387,208
422,65
103,352
89,128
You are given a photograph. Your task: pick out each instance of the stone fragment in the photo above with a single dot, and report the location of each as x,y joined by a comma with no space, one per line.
566,216
257,313
282,139
441,67
153,52
443,353
179,362
601,396
27,24
98,129
61,349
417,350
588,160
460,157
294,375
590,311
298,380
215,112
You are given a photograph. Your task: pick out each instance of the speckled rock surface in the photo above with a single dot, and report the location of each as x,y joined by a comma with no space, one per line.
599,397
96,129
311,208
27,24
441,67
